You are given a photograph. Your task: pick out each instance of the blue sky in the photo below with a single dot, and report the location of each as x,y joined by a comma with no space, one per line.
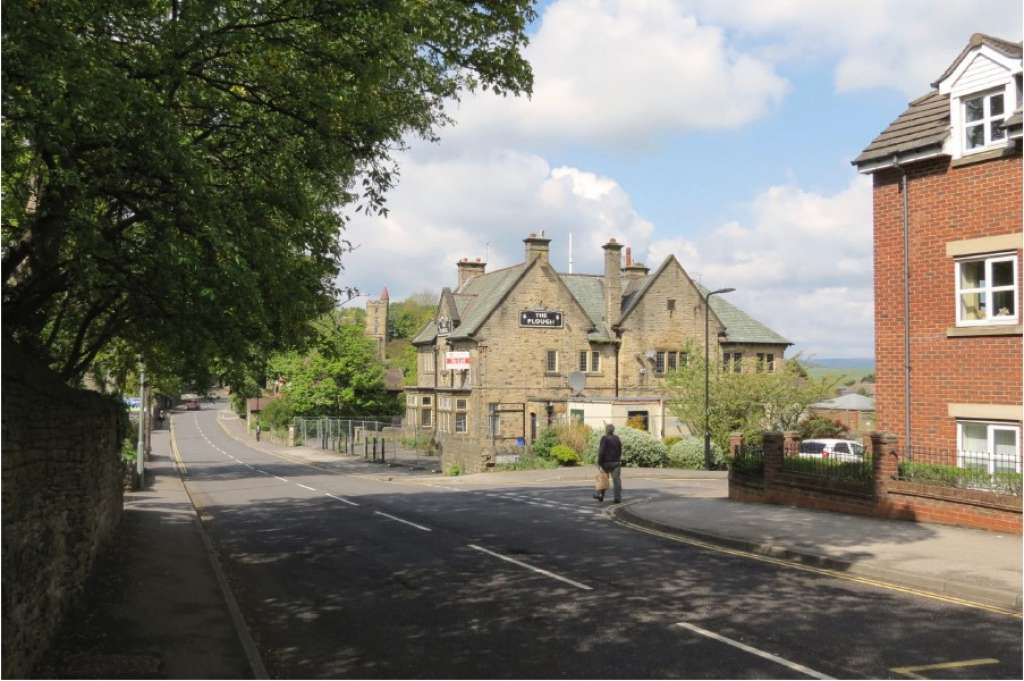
720,131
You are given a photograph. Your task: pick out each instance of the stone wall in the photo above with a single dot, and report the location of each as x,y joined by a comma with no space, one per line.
62,499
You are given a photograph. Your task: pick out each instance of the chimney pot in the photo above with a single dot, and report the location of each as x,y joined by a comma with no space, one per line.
537,247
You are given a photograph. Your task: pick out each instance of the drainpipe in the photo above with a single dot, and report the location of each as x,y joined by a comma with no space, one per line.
906,306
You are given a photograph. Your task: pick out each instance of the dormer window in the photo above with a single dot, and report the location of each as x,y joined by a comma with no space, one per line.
983,120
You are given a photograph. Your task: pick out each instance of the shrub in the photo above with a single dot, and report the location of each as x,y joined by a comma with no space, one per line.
641,449
574,435
454,470
1005,482
565,456
822,426
547,439
688,453
238,404
671,440
277,415
527,461
589,454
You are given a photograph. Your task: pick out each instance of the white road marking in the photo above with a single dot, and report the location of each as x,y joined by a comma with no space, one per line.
311,489
261,471
546,573
341,499
754,651
388,515
910,672
281,479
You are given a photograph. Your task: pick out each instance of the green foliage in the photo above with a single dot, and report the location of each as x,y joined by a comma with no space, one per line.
176,175
128,449
688,453
749,403
671,440
407,317
574,435
870,378
423,443
276,415
854,471
565,455
340,376
817,426
238,404
547,439
971,477
527,461
454,470
641,449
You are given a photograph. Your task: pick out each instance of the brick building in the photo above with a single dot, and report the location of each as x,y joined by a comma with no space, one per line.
947,242
494,366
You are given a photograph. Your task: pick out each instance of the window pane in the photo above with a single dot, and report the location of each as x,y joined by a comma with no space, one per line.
595,361
974,437
671,361
1005,453
583,360
995,105
973,109
460,422
972,274
552,361
975,136
1002,304
996,130
972,306
659,363
1002,273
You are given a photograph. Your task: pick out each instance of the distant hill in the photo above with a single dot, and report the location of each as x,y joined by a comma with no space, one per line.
841,362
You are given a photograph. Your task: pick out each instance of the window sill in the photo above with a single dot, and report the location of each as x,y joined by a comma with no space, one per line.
987,155
993,330
552,374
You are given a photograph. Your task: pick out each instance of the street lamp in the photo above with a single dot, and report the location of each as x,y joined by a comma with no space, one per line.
707,383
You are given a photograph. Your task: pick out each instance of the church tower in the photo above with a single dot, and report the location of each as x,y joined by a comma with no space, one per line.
377,322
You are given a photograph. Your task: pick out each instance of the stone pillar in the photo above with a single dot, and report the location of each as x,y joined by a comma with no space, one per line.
884,460
772,447
791,443
735,443
612,281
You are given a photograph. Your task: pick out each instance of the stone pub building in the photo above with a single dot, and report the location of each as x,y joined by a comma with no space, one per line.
494,366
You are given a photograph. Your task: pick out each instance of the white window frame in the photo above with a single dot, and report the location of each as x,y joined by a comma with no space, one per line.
991,428
547,365
988,290
595,362
464,412
986,119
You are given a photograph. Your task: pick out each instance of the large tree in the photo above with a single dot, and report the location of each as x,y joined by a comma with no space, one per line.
175,173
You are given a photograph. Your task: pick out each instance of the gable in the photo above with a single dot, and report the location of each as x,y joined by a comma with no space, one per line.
682,286
981,73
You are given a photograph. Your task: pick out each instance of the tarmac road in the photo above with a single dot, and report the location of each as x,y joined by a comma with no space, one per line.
343,575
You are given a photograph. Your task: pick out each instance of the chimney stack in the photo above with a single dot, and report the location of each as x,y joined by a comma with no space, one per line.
612,281
469,269
536,247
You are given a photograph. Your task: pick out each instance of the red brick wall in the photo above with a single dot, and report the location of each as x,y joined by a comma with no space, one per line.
946,204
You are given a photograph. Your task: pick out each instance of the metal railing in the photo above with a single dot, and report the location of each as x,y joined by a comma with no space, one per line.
747,459
376,440
989,471
848,467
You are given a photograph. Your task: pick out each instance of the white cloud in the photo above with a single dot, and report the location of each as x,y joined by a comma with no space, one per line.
902,44
803,265
625,71
483,205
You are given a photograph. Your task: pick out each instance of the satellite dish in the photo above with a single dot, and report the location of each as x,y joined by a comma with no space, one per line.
649,354
577,381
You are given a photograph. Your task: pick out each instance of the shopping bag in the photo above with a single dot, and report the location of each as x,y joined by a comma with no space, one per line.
601,483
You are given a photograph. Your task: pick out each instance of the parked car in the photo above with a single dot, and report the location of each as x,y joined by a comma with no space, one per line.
192,405
841,450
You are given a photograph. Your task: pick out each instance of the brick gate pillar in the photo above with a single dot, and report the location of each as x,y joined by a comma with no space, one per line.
884,460
735,443
772,447
791,443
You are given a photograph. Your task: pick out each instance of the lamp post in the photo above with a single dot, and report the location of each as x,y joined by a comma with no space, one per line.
707,380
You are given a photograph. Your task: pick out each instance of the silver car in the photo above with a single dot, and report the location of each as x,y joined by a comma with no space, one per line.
825,448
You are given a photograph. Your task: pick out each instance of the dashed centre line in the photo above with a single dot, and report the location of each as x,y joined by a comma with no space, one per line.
341,499
311,489
754,651
542,571
396,518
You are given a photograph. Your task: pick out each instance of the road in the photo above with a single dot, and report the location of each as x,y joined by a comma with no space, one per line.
346,575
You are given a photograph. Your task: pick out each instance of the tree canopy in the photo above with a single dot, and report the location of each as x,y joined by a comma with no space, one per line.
175,175
749,403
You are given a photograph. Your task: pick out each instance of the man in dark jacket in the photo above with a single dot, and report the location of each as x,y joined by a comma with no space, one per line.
609,459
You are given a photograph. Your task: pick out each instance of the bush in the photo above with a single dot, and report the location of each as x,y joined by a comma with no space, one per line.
455,470
1004,482
589,454
671,440
564,455
641,449
822,426
277,415
527,461
574,435
688,453
238,404
547,439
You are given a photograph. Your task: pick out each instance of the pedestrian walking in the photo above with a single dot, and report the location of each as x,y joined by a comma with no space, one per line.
259,429
609,461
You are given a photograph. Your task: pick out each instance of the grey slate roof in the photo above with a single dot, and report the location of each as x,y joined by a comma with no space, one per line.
739,326
849,401
588,289
924,125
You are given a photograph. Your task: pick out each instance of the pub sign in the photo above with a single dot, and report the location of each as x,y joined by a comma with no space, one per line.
543,319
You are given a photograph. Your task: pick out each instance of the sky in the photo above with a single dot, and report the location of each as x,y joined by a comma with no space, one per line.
720,131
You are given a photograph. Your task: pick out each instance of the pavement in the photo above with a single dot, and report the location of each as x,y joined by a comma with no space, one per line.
974,565
259,560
